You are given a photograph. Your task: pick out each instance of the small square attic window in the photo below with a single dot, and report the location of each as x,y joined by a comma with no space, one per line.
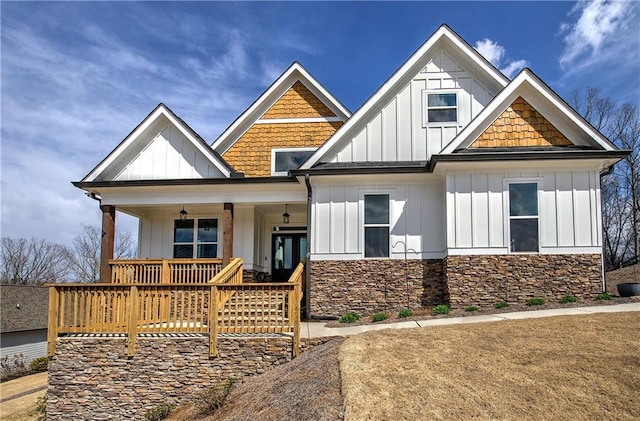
441,107
283,160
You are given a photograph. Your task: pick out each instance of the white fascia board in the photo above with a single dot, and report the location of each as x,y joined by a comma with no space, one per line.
530,87
160,110
294,73
398,80
203,195
520,166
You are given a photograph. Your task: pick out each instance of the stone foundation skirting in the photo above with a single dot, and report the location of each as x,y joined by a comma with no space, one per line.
92,378
373,285
486,279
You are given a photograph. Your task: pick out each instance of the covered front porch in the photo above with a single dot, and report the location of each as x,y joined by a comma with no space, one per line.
264,224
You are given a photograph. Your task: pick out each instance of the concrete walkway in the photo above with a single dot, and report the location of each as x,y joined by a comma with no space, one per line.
319,329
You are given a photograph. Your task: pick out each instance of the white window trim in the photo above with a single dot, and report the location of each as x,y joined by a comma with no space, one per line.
362,225
425,108
276,150
194,243
506,211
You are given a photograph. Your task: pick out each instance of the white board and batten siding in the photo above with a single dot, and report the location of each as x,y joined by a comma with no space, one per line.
399,132
568,205
166,154
417,218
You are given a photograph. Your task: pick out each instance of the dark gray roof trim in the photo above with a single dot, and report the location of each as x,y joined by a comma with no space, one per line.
185,182
23,307
334,168
527,155
467,155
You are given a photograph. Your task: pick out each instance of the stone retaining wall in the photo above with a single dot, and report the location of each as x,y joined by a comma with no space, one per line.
373,285
91,378
485,280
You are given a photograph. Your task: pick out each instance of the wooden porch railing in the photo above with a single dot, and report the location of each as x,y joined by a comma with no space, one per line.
176,307
164,271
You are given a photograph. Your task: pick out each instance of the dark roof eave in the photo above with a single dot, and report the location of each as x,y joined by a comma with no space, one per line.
184,182
355,170
526,156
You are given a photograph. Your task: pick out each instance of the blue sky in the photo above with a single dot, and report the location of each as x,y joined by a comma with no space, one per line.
76,78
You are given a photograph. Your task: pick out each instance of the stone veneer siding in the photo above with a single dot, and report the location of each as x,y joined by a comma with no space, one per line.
486,279
92,378
371,285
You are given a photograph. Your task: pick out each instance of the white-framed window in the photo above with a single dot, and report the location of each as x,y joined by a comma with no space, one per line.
523,217
285,159
376,225
440,107
195,238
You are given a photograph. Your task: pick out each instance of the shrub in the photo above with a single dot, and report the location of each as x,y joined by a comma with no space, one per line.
39,364
441,309
568,299
349,317
535,301
213,398
12,367
378,317
405,312
41,405
159,412
603,297
501,304
471,308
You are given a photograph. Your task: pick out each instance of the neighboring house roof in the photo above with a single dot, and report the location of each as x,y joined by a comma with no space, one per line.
543,99
295,73
160,111
23,307
444,36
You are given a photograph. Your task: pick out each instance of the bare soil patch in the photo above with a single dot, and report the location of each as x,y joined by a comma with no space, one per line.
307,388
573,367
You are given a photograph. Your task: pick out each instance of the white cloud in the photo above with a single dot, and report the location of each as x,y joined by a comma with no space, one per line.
602,24
495,54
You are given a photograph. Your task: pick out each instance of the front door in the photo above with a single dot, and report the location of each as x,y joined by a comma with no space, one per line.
288,250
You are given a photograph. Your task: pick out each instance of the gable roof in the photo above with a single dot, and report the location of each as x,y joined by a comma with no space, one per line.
528,85
158,112
23,307
443,36
295,73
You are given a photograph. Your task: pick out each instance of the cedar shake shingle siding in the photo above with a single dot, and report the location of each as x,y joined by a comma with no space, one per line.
251,154
520,125
298,102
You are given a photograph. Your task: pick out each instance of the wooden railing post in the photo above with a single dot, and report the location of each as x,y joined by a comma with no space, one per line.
296,318
213,321
52,325
166,272
133,320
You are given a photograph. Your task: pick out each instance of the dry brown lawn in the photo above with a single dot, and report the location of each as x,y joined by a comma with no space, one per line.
573,367
21,408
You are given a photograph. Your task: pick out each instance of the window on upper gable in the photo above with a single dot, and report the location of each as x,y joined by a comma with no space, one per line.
285,159
440,107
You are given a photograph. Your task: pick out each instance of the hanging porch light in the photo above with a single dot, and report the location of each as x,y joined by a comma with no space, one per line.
285,215
183,214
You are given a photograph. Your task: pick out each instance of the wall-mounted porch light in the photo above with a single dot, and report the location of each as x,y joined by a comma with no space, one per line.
285,215
183,214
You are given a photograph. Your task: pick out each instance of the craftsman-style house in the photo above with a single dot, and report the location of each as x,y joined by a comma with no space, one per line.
451,183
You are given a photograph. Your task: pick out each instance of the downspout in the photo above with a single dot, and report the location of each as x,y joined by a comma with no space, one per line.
307,284
604,279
